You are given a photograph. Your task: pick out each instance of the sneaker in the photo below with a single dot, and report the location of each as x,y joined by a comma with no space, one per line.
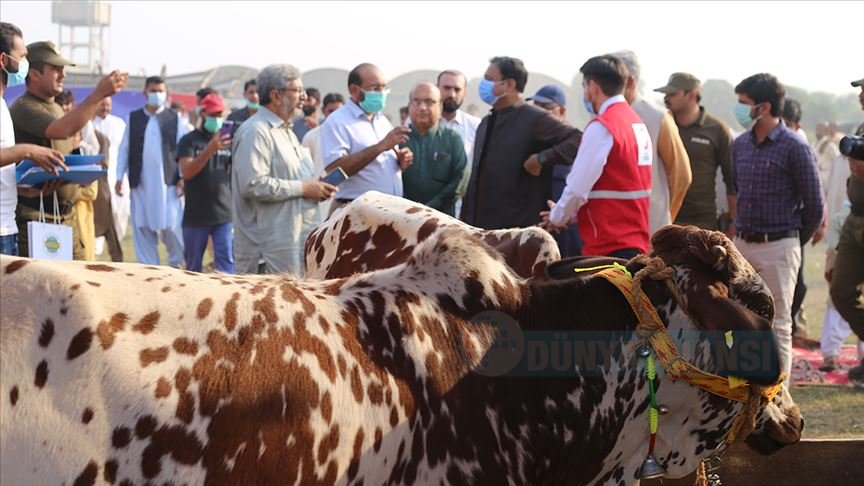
829,364
856,373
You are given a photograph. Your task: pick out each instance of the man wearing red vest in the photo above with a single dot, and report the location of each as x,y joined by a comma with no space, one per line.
610,183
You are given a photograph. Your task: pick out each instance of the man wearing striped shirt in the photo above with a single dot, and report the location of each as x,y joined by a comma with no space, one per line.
780,202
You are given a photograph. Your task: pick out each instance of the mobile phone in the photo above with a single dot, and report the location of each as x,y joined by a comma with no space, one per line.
227,128
336,177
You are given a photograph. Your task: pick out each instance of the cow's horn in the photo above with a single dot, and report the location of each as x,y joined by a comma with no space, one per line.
719,252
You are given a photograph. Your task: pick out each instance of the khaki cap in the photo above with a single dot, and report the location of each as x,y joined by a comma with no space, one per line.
46,52
680,82
858,83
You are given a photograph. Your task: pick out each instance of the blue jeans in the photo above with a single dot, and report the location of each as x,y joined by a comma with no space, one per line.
9,244
195,242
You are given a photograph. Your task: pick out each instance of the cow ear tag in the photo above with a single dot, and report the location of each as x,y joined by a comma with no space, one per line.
734,381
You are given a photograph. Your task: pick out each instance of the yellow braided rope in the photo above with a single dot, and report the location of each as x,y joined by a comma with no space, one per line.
649,323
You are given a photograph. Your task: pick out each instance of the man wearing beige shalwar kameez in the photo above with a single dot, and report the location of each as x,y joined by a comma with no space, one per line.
274,188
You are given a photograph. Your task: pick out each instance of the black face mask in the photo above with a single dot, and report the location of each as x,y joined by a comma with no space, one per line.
450,105
308,110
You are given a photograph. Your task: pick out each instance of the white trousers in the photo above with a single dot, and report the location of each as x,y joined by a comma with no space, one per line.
777,263
146,243
834,332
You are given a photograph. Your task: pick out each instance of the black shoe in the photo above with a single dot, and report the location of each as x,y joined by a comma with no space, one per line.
829,364
856,373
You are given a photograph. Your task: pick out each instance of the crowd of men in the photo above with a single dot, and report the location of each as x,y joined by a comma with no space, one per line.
249,182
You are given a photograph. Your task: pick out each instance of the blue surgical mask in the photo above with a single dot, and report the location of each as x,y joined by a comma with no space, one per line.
742,114
213,123
19,77
589,107
253,106
373,101
485,91
157,98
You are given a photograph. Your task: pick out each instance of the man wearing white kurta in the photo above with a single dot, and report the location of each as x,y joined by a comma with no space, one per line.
312,140
453,86
274,189
157,207
114,128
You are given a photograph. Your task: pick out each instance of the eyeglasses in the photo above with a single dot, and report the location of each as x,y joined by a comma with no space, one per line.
427,102
299,91
379,89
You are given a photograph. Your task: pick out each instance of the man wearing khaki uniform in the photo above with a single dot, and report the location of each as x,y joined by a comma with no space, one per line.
707,140
39,120
847,282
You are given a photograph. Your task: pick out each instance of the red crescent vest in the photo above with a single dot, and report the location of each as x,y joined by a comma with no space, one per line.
616,214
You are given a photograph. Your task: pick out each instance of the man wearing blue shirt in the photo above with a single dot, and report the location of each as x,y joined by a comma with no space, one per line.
360,140
779,196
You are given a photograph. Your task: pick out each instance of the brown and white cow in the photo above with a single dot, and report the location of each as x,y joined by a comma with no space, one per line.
128,374
377,231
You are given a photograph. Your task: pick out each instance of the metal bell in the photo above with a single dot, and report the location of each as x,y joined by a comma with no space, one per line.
651,469
644,351
663,409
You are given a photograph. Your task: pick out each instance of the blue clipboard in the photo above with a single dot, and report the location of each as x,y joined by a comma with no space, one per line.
69,160
77,175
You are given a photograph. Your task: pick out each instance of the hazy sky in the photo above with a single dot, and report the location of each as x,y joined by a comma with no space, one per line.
812,45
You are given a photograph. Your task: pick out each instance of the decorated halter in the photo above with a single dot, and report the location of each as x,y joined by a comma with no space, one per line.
676,367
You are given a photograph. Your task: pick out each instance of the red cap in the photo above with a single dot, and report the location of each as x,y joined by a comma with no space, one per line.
212,103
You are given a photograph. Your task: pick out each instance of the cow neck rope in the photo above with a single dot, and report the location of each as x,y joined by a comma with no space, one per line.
651,328
676,366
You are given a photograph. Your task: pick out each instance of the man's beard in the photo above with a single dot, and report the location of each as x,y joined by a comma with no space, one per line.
450,105
308,110
291,111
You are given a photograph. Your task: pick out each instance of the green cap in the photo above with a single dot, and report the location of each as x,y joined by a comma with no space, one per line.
858,83
680,82
46,52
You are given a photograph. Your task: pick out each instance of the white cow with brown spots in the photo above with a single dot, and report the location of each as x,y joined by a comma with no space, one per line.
127,374
377,231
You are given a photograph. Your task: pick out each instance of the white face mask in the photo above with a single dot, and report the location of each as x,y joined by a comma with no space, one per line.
157,98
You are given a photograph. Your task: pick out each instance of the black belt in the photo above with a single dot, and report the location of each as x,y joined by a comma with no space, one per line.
342,200
751,237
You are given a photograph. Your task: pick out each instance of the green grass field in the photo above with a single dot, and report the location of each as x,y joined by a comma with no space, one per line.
829,412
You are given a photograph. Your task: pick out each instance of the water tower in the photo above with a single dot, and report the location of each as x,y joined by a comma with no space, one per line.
92,17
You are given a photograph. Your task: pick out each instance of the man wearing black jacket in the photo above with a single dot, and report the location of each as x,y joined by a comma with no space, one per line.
516,146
